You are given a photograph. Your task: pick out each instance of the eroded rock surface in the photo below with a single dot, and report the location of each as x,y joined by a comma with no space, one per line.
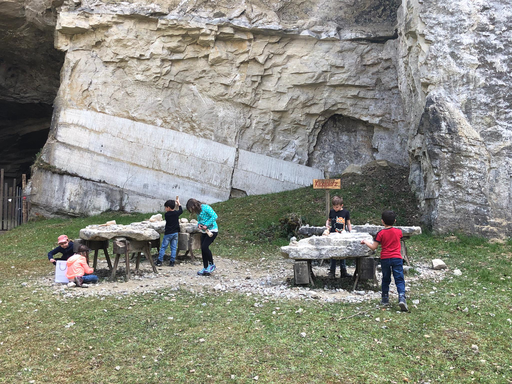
218,99
207,101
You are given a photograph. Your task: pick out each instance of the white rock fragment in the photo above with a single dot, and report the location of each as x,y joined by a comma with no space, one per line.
438,264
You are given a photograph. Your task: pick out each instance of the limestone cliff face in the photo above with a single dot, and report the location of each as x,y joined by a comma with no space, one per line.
212,99
202,100
456,79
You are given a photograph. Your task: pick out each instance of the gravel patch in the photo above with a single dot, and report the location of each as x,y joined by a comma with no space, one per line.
271,279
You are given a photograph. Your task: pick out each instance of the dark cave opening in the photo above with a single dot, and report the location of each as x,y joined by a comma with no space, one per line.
24,130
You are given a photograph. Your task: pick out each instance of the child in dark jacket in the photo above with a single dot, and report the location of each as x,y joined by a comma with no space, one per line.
172,229
65,247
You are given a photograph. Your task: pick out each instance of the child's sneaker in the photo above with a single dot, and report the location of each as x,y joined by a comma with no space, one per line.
78,281
172,263
402,303
201,272
158,263
331,275
211,268
344,273
385,300
71,284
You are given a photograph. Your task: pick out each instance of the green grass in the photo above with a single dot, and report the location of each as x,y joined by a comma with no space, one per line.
460,332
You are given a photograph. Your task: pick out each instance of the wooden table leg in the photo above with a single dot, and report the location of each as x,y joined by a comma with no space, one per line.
114,269
95,262
403,251
149,257
311,274
105,251
137,261
127,258
356,273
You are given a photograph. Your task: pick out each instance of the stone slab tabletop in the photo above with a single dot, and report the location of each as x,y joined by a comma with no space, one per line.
143,231
335,246
407,231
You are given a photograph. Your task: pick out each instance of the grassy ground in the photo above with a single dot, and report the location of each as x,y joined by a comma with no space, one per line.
460,330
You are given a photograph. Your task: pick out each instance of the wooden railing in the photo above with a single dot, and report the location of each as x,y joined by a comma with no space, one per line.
13,205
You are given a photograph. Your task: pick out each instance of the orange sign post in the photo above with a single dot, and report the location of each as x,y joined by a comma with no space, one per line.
327,184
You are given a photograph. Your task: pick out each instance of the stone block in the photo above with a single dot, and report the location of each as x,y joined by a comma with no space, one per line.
367,267
301,272
438,264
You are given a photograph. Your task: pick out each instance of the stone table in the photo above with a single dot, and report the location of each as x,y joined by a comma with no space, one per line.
346,245
134,238
407,232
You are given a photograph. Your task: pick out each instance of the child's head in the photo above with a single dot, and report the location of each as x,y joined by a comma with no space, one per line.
337,203
194,206
83,249
63,241
388,217
170,204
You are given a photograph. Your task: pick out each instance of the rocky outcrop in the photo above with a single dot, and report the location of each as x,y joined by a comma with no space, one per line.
209,101
455,78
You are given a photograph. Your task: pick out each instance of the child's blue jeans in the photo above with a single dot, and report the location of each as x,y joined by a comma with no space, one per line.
90,279
343,265
395,266
172,239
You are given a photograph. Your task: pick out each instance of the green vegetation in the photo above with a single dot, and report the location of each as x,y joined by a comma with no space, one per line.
459,332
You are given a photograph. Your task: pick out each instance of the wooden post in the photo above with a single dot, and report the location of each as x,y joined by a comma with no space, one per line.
2,192
14,195
24,207
327,198
9,208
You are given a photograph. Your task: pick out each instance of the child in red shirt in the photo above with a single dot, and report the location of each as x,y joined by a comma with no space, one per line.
391,259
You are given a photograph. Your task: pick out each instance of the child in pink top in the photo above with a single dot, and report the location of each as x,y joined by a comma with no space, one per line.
78,268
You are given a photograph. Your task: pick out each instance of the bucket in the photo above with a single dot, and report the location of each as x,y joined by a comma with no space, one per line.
60,272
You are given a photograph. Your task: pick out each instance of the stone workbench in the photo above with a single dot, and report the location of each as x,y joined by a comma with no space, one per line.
407,232
334,246
137,238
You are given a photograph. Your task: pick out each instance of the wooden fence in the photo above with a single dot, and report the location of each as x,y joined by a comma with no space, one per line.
13,205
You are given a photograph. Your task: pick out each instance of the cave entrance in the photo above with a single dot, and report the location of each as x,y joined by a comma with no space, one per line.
342,141
24,130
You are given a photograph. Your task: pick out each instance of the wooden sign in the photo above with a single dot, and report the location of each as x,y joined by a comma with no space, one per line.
326,183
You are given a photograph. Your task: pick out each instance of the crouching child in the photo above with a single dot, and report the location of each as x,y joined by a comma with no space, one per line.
79,271
390,258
